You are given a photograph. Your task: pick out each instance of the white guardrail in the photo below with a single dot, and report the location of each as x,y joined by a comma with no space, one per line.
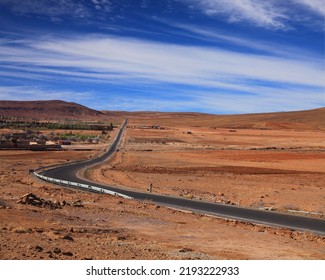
79,185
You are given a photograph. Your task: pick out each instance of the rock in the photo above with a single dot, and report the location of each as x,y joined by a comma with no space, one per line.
121,237
20,230
56,202
52,256
57,251
63,203
77,203
185,250
67,254
32,199
38,248
68,237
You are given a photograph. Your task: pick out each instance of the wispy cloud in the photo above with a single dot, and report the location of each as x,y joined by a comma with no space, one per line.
273,14
104,5
38,93
201,75
163,62
261,13
57,10
208,34
318,6
268,100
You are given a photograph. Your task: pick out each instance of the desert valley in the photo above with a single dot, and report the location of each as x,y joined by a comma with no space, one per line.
271,162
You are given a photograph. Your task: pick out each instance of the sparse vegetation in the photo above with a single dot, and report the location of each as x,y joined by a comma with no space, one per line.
40,132
27,125
291,207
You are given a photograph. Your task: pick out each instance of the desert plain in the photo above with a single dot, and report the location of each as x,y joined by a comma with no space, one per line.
272,165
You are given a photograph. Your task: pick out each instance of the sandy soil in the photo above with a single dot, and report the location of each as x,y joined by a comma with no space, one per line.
279,170
213,164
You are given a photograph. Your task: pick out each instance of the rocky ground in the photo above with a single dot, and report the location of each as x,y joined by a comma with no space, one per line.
255,168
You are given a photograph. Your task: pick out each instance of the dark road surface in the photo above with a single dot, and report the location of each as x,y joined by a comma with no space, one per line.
300,223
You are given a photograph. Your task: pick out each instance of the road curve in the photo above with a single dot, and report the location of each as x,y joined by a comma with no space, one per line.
300,223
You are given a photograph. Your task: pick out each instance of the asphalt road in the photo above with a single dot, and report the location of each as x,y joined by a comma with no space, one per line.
270,218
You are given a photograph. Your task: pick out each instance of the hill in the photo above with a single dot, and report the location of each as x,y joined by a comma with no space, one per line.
51,109
297,120
57,109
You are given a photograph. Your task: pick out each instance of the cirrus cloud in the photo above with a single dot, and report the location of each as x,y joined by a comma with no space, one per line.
199,75
273,14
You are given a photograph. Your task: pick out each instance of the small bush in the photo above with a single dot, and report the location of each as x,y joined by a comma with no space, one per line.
290,207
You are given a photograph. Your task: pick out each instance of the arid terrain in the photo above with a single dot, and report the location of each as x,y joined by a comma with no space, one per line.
282,170
52,109
274,162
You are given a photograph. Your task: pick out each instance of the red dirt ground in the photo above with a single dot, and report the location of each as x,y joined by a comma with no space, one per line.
192,157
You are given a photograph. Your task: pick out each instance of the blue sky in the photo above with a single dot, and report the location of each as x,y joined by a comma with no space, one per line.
212,56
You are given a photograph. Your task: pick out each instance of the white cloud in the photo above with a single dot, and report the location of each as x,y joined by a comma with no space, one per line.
49,8
261,13
268,100
144,4
217,102
318,6
56,9
159,62
274,14
156,61
38,93
212,35
224,76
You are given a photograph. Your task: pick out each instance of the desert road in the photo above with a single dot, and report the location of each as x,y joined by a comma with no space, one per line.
300,223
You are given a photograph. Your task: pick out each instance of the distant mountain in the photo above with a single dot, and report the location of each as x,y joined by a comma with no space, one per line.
51,109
